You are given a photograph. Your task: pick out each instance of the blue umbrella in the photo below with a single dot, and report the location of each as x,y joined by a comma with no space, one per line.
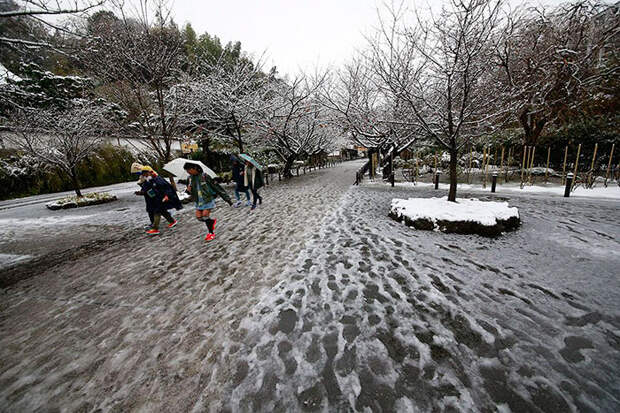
251,160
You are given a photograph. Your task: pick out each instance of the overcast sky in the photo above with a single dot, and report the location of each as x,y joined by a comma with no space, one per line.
294,33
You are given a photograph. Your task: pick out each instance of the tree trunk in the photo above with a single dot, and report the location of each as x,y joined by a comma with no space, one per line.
532,128
76,182
287,167
453,161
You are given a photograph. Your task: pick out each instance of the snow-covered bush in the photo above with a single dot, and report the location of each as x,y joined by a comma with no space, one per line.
466,216
94,198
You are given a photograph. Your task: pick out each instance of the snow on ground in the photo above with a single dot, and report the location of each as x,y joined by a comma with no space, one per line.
376,318
136,325
474,210
611,192
319,301
8,260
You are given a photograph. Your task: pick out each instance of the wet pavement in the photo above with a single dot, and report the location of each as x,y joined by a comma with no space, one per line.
320,302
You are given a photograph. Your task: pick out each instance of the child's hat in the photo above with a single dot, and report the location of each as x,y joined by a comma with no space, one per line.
136,168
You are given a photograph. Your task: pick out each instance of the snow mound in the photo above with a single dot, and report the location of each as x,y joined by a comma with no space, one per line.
466,216
93,198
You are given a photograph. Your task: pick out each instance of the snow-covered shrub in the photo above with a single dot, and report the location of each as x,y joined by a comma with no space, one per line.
466,216
94,198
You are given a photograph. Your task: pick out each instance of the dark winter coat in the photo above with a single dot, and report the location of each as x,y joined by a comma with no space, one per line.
258,179
155,190
209,188
237,176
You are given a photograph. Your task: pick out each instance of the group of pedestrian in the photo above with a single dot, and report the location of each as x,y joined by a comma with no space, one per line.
161,196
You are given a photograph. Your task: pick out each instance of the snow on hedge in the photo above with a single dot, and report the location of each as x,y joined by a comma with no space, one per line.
440,209
93,198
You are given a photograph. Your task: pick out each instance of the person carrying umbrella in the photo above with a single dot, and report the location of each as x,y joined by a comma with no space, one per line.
238,175
204,191
253,179
160,196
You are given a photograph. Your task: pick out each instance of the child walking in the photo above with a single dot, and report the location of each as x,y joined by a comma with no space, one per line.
204,191
160,196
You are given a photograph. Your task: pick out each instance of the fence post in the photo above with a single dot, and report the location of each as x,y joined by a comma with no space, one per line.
569,184
611,155
437,179
564,167
576,163
494,181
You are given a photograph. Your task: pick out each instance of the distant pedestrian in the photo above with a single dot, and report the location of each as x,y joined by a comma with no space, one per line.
253,179
204,191
237,176
160,196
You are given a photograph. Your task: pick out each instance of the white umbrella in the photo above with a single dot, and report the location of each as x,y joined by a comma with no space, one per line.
175,167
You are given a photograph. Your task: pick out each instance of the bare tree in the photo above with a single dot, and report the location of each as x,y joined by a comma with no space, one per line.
557,61
296,123
358,104
38,12
437,66
230,97
140,63
61,138
371,114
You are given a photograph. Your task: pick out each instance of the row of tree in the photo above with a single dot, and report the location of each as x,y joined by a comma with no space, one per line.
455,77
448,78
139,76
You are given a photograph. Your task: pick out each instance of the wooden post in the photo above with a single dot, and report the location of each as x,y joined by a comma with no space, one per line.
484,162
591,172
392,164
525,153
486,168
471,155
576,166
435,168
594,156
611,155
529,175
547,168
501,162
564,166
508,162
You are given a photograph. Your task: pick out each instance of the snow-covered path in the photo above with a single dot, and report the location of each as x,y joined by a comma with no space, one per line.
331,307
137,324
377,315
